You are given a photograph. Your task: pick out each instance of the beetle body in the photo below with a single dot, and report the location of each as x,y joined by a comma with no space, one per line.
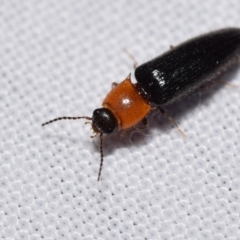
184,68
164,80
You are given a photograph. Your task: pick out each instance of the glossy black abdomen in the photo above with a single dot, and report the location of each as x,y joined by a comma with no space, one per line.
187,66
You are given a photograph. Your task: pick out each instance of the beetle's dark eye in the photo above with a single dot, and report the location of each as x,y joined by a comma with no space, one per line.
103,120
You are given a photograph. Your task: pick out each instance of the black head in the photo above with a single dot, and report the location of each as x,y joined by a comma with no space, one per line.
103,121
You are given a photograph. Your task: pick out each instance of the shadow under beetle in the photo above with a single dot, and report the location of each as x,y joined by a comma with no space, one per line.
163,80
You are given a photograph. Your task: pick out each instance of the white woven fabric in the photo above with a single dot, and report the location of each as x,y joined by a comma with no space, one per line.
59,58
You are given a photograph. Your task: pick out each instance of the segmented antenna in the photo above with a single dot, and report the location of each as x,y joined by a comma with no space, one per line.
66,118
101,152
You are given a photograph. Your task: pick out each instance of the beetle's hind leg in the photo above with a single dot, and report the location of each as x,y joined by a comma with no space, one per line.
231,85
165,114
209,85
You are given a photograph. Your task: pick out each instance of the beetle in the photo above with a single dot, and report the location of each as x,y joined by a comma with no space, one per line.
163,80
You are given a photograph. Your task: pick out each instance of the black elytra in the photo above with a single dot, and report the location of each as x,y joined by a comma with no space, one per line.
184,68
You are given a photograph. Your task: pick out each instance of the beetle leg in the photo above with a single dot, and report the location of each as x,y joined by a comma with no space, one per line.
232,85
206,86
165,114
123,133
145,124
220,82
135,64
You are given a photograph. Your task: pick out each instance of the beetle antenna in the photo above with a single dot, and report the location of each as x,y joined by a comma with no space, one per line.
101,152
66,118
